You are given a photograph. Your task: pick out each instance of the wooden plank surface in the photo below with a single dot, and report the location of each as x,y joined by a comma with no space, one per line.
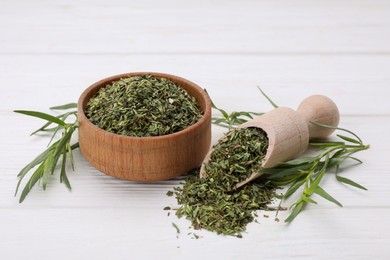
230,79
247,26
50,51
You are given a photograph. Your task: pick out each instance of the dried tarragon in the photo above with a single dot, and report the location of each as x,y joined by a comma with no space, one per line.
143,106
212,202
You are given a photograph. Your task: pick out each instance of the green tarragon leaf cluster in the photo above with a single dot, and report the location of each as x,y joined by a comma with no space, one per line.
308,172
45,163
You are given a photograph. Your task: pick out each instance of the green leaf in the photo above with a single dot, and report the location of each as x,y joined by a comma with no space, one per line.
63,177
349,182
274,174
349,139
338,128
298,161
30,184
284,180
63,141
294,187
54,134
62,117
326,196
238,121
232,119
269,100
325,144
246,114
218,120
42,128
71,154
337,161
47,169
308,199
63,145
224,114
66,106
39,159
355,159
297,209
318,178
339,153
41,115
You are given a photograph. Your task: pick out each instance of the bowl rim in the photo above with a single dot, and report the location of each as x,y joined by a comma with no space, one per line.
103,82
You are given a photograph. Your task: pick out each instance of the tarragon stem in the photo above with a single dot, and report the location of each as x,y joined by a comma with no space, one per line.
45,163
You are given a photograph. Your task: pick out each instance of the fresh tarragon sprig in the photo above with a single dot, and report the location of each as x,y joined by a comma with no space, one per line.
45,163
306,172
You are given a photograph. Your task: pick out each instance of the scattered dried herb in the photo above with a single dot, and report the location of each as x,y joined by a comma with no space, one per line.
143,106
196,236
212,202
207,205
177,228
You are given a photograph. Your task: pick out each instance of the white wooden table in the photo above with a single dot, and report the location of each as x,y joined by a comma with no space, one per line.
50,51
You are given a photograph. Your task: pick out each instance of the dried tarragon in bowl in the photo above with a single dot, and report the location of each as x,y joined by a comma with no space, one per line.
143,106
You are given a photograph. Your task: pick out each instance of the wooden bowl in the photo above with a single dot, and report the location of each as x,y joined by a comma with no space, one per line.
145,158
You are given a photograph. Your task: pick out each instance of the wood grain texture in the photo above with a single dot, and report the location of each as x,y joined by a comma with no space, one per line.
50,51
105,217
115,233
248,27
231,80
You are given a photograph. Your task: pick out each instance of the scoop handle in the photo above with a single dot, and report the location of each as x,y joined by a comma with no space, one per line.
319,109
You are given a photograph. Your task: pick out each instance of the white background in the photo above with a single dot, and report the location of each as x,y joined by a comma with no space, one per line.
50,51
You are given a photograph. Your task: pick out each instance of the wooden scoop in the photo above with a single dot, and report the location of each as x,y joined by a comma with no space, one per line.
289,131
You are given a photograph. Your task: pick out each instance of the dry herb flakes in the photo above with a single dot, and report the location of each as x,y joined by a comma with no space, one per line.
143,106
212,202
